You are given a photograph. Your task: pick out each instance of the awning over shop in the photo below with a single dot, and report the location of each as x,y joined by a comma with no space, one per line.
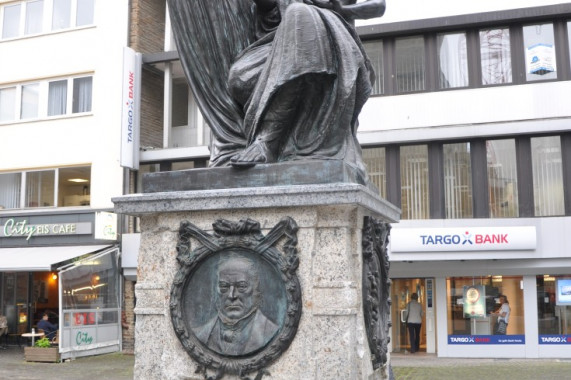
37,259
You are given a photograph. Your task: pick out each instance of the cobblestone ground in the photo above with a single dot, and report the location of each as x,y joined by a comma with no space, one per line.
115,366
432,368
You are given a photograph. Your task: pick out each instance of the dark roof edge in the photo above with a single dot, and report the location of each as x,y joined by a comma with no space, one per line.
465,21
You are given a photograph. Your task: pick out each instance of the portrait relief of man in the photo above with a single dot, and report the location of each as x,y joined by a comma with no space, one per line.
239,327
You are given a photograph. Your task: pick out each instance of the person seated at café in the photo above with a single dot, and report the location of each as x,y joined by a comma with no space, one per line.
3,330
48,327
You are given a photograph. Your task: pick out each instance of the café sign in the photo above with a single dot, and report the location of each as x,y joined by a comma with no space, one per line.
463,239
21,228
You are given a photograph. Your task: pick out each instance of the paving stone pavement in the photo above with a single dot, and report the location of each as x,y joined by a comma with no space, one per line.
422,366
419,366
114,366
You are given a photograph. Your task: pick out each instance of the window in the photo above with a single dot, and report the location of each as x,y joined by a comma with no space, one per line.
547,176
40,188
457,181
10,185
569,38
82,94
374,51
11,21
57,98
495,52
553,306
34,17
539,46
7,103
452,60
188,127
84,15
63,17
73,186
414,182
502,178
472,315
30,101
410,64
374,159
61,14
27,17
46,188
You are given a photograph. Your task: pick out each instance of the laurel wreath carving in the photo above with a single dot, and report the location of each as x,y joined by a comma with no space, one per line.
376,288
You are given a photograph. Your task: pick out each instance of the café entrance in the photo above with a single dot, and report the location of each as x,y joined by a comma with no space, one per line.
401,291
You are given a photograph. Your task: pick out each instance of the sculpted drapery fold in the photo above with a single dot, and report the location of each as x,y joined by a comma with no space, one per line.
282,84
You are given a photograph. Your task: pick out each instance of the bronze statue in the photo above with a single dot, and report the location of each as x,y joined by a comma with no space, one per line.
277,80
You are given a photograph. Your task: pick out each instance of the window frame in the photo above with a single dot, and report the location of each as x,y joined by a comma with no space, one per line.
478,158
46,17
23,201
43,99
562,45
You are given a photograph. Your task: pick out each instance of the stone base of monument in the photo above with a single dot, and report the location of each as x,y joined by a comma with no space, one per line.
315,279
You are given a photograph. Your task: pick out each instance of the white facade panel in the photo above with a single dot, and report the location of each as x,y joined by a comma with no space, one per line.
507,104
90,138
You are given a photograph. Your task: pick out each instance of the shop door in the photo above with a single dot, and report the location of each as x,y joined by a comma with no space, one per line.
401,292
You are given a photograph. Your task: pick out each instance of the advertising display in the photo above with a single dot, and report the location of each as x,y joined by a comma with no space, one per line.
474,301
563,292
461,239
486,339
130,109
541,59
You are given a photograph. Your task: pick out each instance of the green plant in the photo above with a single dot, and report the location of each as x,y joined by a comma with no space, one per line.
44,343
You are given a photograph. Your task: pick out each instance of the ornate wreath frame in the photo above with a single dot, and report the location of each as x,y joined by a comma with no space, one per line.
245,234
376,288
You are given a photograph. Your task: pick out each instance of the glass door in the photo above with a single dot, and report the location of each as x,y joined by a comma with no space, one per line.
402,290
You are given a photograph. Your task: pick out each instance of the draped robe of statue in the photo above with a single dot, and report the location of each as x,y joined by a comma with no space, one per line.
296,76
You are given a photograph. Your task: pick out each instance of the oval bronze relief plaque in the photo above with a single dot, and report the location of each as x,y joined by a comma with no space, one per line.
236,299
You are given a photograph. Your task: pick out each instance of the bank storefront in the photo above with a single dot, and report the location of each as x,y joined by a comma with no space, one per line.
462,268
65,264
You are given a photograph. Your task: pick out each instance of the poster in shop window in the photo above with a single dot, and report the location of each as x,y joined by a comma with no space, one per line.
474,301
541,59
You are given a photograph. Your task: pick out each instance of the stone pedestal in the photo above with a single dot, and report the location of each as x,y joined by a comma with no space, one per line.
331,340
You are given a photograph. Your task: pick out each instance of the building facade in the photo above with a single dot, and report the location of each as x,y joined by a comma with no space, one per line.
61,81
469,133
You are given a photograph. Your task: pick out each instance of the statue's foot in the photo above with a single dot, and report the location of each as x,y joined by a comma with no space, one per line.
257,153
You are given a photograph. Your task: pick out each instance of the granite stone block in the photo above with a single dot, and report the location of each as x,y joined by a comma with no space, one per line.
330,343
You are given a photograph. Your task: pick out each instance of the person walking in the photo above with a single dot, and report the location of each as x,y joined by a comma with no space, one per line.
414,322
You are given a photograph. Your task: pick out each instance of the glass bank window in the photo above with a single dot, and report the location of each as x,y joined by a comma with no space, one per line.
474,304
554,308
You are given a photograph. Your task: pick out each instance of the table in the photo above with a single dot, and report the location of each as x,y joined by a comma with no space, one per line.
33,336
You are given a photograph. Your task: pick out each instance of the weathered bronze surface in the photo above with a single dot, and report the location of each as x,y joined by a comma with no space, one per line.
376,288
236,299
277,80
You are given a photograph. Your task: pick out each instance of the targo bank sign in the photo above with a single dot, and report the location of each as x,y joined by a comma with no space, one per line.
463,239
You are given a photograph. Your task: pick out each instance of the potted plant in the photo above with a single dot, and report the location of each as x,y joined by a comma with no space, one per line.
42,352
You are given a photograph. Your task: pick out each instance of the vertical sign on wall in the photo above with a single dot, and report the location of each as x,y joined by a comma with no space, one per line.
130,117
